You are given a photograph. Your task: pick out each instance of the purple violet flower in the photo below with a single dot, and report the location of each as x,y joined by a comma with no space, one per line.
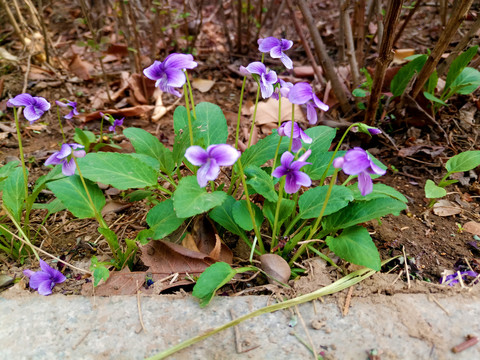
286,130
169,74
282,87
374,131
276,48
44,280
34,106
302,93
453,279
266,78
366,129
357,162
291,169
210,160
62,156
72,105
116,122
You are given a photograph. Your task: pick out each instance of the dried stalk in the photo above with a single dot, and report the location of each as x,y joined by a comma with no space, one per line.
239,26
359,32
407,19
223,19
128,36
380,32
13,22
341,35
277,18
298,28
44,32
325,60
443,67
349,40
385,56
446,36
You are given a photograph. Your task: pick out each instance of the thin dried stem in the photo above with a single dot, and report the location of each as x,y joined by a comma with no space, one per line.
446,37
325,60
380,32
13,22
359,30
347,27
407,19
385,57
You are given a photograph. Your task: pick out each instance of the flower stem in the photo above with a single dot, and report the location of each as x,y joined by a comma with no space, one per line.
191,95
293,123
314,229
12,218
277,212
190,130
239,112
60,123
276,154
249,207
20,148
168,179
254,116
335,152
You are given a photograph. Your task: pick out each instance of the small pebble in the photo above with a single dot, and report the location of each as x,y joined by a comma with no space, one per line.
317,324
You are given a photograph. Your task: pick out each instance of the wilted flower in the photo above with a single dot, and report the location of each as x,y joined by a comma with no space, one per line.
169,74
44,280
302,93
357,162
72,105
266,78
34,106
62,157
276,48
210,160
116,122
282,87
286,130
370,130
453,279
291,169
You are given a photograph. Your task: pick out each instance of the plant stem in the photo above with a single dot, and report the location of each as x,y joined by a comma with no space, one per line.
249,207
60,123
20,148
168,179
293,123
335,152
276,155
255,109
19,228
314,229
277,212
339,285
190,130
239,112
191,95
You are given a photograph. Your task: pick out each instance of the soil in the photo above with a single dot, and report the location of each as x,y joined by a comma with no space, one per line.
414,150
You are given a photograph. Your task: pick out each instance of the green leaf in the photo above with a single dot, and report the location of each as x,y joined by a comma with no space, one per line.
311,201
163,220
147,160
458,65
467,82
359,92
72,194
14,193
100,272
242,216
182,142
111,238
464,161
210,124
212,279
84,137
189,199
138,195
322,137
432,83
355,245
147,144
53,206
320,163
433,98
379,191
362,211
119,170
404,75
263,150
286,210
7,169
261,182
433,191
223,214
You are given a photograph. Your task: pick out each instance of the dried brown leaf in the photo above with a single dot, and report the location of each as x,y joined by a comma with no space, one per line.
127,112
445,208
275,266
203,85
472,227
80,67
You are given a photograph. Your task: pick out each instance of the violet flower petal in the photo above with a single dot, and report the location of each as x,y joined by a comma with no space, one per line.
311,114
38,278
196,155
154,71
21,100
207,172
267,44
31,113
256,67
319,103
68,167
224,155
365,183
286,61
291,185
300,93
179,61
175,77
41,104
286,159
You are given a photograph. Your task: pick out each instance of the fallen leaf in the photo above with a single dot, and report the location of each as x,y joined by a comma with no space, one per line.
275,266
136,83
5,55
203,85
400,55
115,207
127,112
267,112
445,208
80,67
208,242
472,227
118,283
433,151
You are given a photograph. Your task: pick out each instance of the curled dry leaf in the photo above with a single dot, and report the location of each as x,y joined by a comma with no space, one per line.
203,85
399,55
472,227
80,67
267,112
275,266
127,112
445,208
